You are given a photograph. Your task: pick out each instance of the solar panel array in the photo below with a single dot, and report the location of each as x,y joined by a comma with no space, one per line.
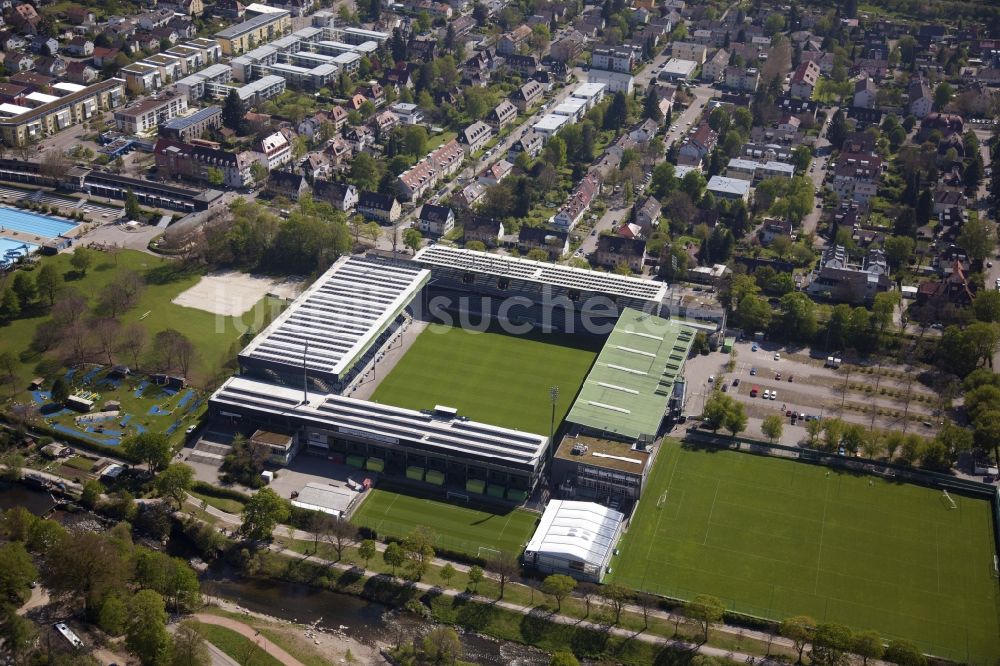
381,421
338,316
539,271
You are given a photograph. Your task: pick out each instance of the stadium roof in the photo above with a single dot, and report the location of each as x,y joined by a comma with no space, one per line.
582,531
629,386
383,423
541,272
339,316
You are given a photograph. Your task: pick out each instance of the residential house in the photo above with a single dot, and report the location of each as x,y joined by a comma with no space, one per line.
408,114
614,251
286,184
856,175
945,199
525,65
527,96
865,93
342,196
568,47
775,228
383,208
468,196
495,172
104,56
647,214
80,47
715,67
953,290
503,115
579,202
424,175
54,66
44,45
804,80
482,229
920,100
531,142
26,19
840,281
689,51
645,131
698,145
554,242
81,73
360,138
741,79
789,123
511,42
384,121
724,187
436,220
613,59
79,15
11,41
475,136
17,61
192,161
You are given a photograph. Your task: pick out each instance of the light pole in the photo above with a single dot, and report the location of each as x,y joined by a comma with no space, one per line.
554,397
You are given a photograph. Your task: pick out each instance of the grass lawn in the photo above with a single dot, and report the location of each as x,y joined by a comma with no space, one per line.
220,503
777,538
235,645
77,462
458,527
213,335
491,377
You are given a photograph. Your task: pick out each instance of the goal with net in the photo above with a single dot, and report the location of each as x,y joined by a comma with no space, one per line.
949,500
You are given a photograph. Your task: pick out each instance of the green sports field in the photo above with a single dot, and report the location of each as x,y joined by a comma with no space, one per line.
491,377
459,528
777,538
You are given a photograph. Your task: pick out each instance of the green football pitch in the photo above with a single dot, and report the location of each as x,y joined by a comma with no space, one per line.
459,527
776,538
491,377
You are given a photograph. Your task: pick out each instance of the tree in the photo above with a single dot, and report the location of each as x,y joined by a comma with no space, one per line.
715,411
538,254
146,631
555,151
904,653
978,238
617,597
132,210
113,615
151,448
340,534
837,131
24,288
259,172
60,390
986,305
799,630
736,418
82,565
447,573
82,259
367,550
942,95
706,610
617,114
475,577
663,181
365,172
504,566
651,105
10,307
17,571
174,482
442,646
898,250
189,648
831,641
233,112
412,239
772,427
798,317
48,281
558,586
564,658
394,556
19,634
262,513
868,645
91,495
214,176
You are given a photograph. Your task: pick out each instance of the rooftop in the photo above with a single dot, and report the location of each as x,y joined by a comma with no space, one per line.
338,317
181,123
600,452
583,531
383,423
250,24
629,386
541,272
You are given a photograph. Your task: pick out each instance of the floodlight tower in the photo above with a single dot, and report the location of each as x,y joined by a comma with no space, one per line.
554,397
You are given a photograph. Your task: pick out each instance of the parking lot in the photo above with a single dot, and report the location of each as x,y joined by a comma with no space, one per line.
799,383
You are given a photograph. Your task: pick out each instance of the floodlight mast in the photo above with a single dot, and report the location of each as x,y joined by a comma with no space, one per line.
305,374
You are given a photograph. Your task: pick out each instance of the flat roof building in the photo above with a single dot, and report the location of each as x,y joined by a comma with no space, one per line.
20,125
729,188
678,70
242,37
337,324
433,446
576,539
192,126
626,394
551,123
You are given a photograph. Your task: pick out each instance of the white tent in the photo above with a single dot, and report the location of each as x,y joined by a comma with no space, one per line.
575,538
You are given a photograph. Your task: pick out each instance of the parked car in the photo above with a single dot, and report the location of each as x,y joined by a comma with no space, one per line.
753,371
777,356
736,382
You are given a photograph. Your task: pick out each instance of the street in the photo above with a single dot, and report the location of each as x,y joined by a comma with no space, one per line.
817,174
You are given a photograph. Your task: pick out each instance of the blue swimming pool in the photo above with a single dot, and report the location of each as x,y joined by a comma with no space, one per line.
33,223
11,250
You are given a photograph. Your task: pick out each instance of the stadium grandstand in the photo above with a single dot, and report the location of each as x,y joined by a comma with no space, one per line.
436,447
591,301
608,450
336,326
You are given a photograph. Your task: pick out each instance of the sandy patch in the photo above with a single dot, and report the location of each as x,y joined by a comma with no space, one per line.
233,293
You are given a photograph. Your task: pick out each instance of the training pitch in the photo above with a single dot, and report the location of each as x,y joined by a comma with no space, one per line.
462,528
491,377
777,538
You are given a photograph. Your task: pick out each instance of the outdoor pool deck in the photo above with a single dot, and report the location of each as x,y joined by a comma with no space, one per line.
33,224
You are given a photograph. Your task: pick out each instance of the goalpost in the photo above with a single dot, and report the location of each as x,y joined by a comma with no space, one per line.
662,500
951,502
490,552
452,495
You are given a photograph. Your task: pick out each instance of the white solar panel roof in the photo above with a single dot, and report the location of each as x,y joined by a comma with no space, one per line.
338,316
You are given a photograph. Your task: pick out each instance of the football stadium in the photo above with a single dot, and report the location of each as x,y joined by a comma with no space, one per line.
520,406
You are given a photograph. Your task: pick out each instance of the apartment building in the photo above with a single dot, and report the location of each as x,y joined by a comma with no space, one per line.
177,159
147,114
19,125
242,37
185,128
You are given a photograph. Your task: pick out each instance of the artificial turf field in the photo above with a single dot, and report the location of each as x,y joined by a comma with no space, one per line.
491,377
777,538
459,528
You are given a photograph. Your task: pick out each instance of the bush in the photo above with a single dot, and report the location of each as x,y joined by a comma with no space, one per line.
221,493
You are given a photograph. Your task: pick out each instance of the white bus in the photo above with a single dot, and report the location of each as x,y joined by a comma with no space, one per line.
68,634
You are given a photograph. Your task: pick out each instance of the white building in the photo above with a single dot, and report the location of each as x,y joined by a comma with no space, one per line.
550,123
612,81
678,70
276,150
576,539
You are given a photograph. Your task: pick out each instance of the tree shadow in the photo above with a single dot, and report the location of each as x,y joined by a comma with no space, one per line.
104,266
73,276
168,273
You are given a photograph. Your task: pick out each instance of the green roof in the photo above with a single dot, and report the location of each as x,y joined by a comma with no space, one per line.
627,390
